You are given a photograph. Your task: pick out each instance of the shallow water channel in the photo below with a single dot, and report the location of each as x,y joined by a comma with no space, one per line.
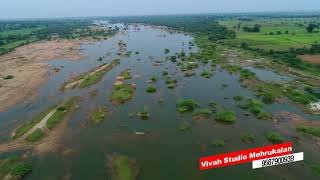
165,152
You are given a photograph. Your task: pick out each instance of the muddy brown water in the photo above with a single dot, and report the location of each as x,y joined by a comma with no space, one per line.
164,152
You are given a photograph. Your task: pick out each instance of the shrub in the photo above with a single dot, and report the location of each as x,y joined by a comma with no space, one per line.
186,105
206,74
246,74
274,137
98,115
21,170
151,89
218,143
255,107
184,126
165,73
153,78
310,130
122,93
143,115
237,98
225,116
8,77
202,112
126,74
247,137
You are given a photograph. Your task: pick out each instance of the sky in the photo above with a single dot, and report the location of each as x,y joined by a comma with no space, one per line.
10,9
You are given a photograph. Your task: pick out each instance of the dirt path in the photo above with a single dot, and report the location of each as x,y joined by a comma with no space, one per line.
75,83
40,125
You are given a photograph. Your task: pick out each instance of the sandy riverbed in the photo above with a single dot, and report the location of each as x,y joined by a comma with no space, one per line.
28,64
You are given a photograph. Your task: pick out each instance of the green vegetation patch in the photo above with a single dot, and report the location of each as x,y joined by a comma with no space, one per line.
60,113
122,93
225,116
206,74
218,143
255,107
310,130
15,166
187,105
238,98
36,135
126,74
30,124
123,168
153,78
7,77
274,137
202,113
151,89
21,170
143,115
171,83
246,74
300,96
247,137
185,126
92,77
98,115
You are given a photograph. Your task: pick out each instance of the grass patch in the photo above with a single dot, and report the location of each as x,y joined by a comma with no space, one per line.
60,113
225,116
171,83
165,73
8,77
316,168
255,107
153,78
123,168
247,137
30,124
98,115
7,164
205,113
301,97
151,89
91,79
21,170
122,93
238,98
310,130
36,135
232,68
184,126
274,137
126,74
246,74
206,74
187,105
143,115
218,143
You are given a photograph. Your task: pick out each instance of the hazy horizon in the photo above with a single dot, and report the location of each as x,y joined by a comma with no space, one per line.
14,9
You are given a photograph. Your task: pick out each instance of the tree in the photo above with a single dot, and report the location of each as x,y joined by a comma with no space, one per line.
255,28
311,27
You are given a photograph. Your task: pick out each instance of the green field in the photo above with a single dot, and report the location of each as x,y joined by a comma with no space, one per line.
293,33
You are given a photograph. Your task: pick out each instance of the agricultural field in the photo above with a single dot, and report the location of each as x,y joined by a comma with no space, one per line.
275,33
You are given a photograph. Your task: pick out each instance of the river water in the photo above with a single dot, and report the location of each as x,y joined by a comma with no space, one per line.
165,152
